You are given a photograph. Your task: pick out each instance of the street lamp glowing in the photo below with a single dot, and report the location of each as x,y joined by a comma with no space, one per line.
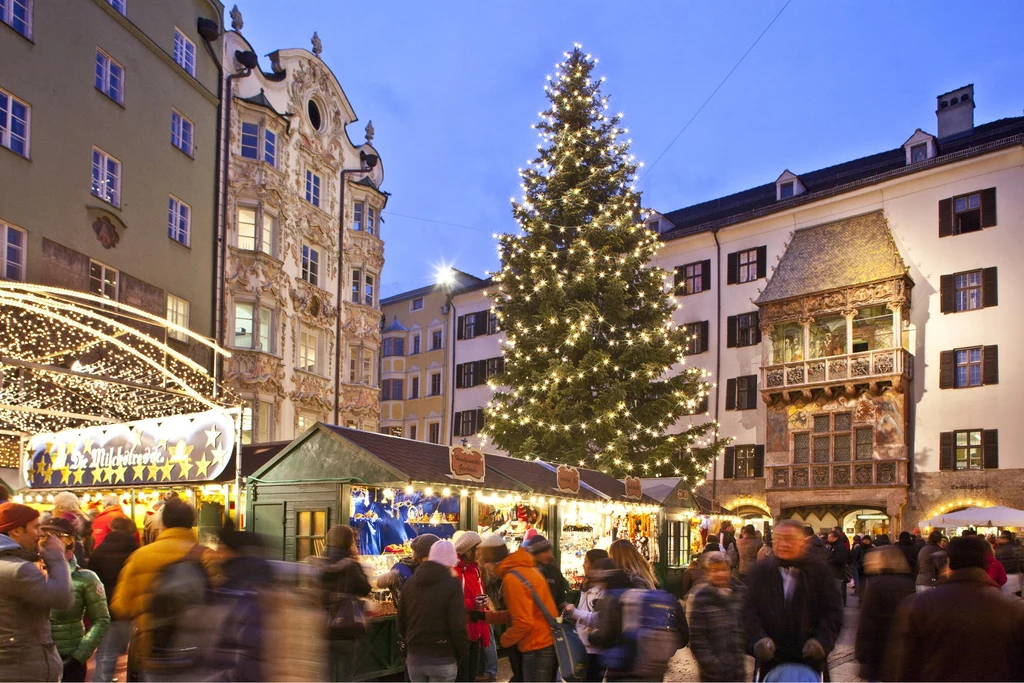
444,276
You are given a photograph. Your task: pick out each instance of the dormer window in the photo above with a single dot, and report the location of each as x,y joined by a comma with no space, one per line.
919,153
786,190
788,185
920,147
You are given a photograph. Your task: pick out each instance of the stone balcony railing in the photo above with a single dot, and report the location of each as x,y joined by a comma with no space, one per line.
860,473
853,367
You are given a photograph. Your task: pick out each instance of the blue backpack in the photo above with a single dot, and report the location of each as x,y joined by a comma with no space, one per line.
651,633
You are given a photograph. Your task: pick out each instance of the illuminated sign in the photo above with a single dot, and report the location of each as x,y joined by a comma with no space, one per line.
466,463
170,450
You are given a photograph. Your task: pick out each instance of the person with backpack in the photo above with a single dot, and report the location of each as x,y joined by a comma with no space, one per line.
586,616
107,561
639,630
147,576
27,595
716,623
75,643
626,557
432,618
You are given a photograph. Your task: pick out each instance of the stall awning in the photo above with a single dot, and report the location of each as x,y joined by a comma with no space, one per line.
990,516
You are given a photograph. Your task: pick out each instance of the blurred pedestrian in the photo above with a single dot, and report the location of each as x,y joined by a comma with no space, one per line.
965,629
929,562
715,620
838,559
881,539
403,570
886,583
491,551
75,643
586,616
857,561
792,611
994,567
107,561
815,544
747,547
66,505
544,555
766,549
101,523
1010,555
909,549
727,541
626,557
27,595
467,570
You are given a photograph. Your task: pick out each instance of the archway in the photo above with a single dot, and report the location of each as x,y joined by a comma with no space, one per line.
868,520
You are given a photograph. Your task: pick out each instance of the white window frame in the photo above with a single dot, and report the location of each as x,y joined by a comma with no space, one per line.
413,305
184,52
416,346
183,132
105,79
269,158
744,268
258,334
919,146
264,229
6,133
309,350
371,220
358,215
179,221
257,416
313,184
104,276
440,384
369,289
434,432
310,263
120,6
7,15
254,147
6,229
304,420
178,311
112,197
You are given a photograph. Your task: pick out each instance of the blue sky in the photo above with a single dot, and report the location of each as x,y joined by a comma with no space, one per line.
452,88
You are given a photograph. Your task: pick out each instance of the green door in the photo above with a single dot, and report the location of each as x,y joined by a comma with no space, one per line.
268,523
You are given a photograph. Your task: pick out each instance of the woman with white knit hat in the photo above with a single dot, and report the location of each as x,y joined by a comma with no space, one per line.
475,599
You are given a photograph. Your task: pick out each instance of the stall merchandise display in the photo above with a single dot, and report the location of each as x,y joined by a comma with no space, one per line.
511,520
584,529
387,519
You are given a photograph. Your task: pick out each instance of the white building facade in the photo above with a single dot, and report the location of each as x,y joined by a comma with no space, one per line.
302,252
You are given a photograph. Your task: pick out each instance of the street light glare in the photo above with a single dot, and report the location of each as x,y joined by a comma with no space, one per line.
444,276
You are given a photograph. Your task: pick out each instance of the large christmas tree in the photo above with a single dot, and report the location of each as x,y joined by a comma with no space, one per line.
593,362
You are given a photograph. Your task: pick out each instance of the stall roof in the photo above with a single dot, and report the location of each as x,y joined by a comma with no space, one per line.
254,456
663,490
535,476
610,486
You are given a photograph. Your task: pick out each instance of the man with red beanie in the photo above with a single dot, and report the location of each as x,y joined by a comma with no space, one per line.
27,595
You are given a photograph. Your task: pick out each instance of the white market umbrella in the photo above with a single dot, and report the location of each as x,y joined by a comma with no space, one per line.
990,516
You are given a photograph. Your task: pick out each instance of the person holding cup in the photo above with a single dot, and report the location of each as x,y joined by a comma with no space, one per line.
479,632
27,651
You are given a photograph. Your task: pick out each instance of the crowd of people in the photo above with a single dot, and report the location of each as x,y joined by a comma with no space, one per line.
75,589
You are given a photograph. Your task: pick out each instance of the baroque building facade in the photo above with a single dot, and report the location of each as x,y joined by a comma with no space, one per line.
302,251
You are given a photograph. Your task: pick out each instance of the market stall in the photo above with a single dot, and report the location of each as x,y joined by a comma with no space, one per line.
983,519
680,529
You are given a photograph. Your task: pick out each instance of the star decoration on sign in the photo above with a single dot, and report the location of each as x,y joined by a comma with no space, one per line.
76,476
183,468
117,474
87,446
165,471
151,471
65,475
219,455
203,466
137,472
211,436
135,436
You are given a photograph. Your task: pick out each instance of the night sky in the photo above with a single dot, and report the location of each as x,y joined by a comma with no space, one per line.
452,88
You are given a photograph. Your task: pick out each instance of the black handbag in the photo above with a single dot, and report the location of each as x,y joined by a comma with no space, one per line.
346,620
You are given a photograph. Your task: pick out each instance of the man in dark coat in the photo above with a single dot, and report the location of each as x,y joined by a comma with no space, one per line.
791,609
910,550
838,558
815,546
544,556
930,561
857,561
107,561
964,629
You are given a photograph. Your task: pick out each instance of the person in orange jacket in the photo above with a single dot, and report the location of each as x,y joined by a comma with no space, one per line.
529,630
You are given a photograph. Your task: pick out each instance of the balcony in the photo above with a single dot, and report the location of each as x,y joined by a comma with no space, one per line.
852,368
867,473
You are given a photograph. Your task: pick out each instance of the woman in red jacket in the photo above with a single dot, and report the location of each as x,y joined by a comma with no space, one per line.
993,567
468,571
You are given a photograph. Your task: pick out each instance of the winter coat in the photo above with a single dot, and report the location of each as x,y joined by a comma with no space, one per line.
815,610
472,586
586,616
529,629
694,577
837,559
108,560
929,561
716,633
152,525
101,527
608,633
880,596
910,551
748,548
728,546
135,585
432,614
816,548
555,581
342,573
396,577
965,629
68,626
1009,555
241,640
27,652
857,557
995,570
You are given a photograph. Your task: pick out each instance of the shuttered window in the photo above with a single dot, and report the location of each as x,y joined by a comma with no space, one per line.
969,449
967,213
969,367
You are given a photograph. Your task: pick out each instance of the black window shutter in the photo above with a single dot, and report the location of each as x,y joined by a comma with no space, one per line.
990,365
480,377
501,364
457,424
946,370
730,394
759,461
988,207
946,451
385,390
705,274
734,268
945,218
461,327
751,392
730,335
458,374
989,287
679,278
757,327
947,290
762,262
479,419
481,323
990,448
704,336
730,462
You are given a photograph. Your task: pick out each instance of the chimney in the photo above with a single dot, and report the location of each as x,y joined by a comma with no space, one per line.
955,111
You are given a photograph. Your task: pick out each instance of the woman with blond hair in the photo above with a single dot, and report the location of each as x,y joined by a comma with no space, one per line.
626,557
887,581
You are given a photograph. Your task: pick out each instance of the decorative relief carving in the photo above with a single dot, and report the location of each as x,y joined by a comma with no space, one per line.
841,476
311,307
312,391
248,273
106,233
894,292
259,371
820,476
357,401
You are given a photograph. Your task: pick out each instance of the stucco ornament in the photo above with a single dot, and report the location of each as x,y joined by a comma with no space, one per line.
369,131
236,18
260,371
318,47
106,233
312,391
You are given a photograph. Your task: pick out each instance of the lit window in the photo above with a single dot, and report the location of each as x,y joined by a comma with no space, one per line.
312,188
255,230
250,140
967,296
14,123
179,220
306,421
968,367
308,342
417,304
18,15
177,313
102,280
968,450
184,52
357,215
106,177
256,423
748,265
310,265
119,5
13,241
181,132
109,76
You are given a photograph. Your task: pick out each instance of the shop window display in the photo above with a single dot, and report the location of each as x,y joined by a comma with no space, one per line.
587,525
512,520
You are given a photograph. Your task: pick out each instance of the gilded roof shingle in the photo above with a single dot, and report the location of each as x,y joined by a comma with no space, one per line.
847,252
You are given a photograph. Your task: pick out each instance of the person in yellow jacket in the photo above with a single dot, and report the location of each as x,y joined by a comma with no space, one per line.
135,585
